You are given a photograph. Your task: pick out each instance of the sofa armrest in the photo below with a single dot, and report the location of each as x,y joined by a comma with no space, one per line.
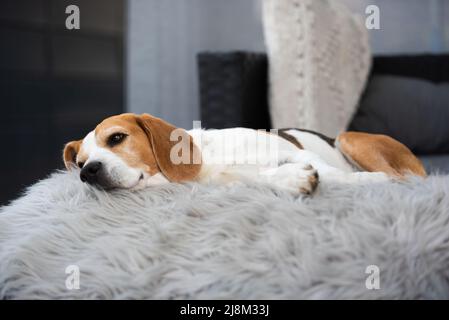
233,90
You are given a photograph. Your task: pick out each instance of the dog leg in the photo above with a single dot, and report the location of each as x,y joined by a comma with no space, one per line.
331,174
293,177
375,152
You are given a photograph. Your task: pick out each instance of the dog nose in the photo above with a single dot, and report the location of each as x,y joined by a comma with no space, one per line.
89,173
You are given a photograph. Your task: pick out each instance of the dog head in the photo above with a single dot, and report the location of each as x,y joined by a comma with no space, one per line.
128,150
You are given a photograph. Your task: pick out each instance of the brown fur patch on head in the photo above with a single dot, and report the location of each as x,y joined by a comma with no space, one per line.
135,149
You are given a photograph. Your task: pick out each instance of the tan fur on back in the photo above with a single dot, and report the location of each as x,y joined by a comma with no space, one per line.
379,153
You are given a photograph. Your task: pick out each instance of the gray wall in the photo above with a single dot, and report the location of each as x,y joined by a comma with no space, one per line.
164,37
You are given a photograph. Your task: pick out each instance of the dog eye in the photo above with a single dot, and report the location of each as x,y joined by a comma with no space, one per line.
80,165
116,138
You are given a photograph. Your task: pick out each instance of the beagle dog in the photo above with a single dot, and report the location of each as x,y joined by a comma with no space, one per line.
134,151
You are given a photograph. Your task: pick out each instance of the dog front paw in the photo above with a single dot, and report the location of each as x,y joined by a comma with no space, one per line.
296,178
312,181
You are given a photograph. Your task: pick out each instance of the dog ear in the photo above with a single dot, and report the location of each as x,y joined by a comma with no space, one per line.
70,151
178,160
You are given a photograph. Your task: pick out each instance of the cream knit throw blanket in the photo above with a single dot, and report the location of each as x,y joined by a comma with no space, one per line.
319,59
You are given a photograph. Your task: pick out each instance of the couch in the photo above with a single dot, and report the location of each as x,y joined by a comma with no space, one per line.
406,97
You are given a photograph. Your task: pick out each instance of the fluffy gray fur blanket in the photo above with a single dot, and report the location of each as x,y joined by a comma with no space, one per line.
232,242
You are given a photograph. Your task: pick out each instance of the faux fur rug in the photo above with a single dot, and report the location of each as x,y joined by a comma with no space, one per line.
230,242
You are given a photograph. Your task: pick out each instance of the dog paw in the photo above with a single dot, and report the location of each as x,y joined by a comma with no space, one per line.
296,178
312,182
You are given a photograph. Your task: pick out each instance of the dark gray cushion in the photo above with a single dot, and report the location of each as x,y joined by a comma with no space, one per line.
411,110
